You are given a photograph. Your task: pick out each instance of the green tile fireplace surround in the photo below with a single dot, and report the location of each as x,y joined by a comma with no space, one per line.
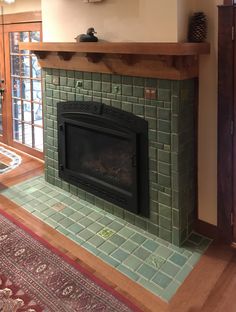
171,120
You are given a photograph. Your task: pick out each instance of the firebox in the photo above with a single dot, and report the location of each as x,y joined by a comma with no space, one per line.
104,150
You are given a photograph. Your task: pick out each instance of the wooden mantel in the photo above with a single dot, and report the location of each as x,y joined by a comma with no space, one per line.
158,60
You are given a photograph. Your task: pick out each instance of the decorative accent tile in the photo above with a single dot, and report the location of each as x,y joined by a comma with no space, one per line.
106,233
155,261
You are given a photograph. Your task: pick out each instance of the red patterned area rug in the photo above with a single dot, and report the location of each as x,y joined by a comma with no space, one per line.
36,277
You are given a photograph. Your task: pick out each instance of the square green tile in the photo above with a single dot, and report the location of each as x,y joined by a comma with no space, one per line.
107,247
178,259
129,246
133,262
96,240
120,255
147,271
142,253
162,280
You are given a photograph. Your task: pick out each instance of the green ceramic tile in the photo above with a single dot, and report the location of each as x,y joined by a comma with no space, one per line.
116,226
85,222
138,238
67,211
107,247
66,222
129,246
133,262
120,255
85,210
95,227
57,217
85,234
126,232
147,271
105,221
142,253
170,269
95,216
150,245
106,233
178,259
162,280
96,240
75,228
117,239
76,216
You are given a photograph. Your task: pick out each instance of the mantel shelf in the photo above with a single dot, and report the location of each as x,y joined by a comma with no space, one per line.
140,48
158,60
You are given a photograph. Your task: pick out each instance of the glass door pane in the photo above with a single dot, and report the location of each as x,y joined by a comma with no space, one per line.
27,117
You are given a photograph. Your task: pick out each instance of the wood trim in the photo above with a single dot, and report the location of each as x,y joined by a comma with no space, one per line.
24,17
228,2
206,229
131,48
225,117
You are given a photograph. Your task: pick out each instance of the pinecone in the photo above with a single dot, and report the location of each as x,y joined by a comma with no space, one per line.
197,27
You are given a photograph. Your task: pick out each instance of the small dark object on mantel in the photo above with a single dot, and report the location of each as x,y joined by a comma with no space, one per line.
89,37
197,27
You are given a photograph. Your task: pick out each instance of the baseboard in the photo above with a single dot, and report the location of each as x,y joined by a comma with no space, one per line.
206,229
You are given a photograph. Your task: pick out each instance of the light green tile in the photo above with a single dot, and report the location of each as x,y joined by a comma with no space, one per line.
133,262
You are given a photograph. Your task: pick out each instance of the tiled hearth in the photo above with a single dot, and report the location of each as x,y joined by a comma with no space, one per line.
155,264
171,142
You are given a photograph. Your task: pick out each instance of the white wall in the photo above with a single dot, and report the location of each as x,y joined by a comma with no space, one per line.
207,143
184,10
22,6
114,20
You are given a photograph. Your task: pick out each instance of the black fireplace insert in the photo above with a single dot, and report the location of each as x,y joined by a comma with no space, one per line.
104,151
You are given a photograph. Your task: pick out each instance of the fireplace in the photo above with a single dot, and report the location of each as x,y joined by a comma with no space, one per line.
104,151
121,118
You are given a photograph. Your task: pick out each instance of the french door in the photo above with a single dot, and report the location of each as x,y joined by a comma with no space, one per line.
21,113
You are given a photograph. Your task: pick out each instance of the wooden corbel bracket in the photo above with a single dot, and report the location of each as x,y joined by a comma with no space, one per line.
65,56
94,57
129,59
188,61
41,54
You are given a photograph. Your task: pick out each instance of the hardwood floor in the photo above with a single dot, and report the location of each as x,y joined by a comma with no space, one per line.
210,287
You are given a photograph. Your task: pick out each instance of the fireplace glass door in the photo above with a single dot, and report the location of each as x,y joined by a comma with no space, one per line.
104,151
